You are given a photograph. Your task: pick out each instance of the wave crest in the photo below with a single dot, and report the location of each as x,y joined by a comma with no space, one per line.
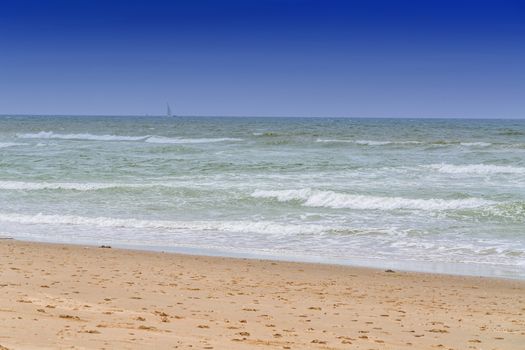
476,144
35,186
11,144
88,137
168,140
480,169
330,199
146,138
368,142
259,227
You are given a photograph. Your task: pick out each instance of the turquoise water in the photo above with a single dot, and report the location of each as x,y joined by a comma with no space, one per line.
445,195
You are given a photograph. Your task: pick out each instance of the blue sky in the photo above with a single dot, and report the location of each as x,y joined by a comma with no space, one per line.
366,58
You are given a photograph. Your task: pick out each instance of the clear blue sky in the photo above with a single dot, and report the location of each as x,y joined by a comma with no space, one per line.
366,58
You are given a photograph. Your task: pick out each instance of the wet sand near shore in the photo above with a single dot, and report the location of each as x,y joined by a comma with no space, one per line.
67,296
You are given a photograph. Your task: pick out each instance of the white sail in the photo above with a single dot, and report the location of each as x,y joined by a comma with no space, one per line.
168,113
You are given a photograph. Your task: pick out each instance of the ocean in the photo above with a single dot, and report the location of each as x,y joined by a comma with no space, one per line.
439,195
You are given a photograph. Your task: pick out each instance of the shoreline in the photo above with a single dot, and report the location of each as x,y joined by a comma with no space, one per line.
219,254
410,266
62,295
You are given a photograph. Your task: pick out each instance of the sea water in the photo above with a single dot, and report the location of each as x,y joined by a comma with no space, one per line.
422,194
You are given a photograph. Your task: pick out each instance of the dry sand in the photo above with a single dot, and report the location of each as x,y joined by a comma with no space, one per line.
60,296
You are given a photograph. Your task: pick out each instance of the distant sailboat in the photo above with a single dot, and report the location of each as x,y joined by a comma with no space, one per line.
168,112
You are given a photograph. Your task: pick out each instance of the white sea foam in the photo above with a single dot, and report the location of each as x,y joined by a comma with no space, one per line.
179,183
368,142
260,227
88,137
384,143
510,211
11,144
169,140
335,141
146,138
35,186
373,143
477,169
476,144
330,199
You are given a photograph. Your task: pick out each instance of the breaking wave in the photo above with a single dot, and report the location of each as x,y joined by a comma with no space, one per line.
35,186
11,144
260,227
330,199
88,137
476,144
146,138
385,143
368,142
168,140
479,169
429,143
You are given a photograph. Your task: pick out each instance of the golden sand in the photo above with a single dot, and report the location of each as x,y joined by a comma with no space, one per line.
63,296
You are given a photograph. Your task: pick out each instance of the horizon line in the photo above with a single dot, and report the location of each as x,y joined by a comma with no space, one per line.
254,116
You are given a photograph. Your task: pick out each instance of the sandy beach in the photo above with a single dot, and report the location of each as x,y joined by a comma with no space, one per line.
64,296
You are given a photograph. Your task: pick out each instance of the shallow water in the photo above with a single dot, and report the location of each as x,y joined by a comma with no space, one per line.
414,193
